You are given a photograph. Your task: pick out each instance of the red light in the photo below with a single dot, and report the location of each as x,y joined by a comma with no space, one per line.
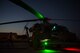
72,49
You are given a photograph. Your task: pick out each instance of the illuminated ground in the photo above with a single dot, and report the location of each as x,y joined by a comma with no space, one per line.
23,47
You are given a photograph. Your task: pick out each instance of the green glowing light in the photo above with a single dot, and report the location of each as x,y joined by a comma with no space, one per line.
28,8
45,43
39,15
48,51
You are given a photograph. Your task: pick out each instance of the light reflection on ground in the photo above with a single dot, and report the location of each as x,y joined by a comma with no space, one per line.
48,51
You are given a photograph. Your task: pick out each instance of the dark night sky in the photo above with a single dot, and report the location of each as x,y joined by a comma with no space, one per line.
62,9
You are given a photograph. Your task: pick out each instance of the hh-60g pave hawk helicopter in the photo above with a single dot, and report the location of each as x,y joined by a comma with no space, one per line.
47,35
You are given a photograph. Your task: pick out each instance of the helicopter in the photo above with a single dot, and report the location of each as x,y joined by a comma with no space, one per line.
45,34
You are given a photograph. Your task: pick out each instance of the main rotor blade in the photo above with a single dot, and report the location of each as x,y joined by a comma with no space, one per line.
19,21
73,20
28,8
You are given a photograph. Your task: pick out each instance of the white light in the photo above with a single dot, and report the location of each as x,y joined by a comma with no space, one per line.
54,28
44,40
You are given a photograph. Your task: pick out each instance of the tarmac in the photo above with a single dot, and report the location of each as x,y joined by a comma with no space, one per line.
18,47
15,47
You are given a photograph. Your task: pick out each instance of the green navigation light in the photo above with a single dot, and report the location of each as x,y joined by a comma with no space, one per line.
45,43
